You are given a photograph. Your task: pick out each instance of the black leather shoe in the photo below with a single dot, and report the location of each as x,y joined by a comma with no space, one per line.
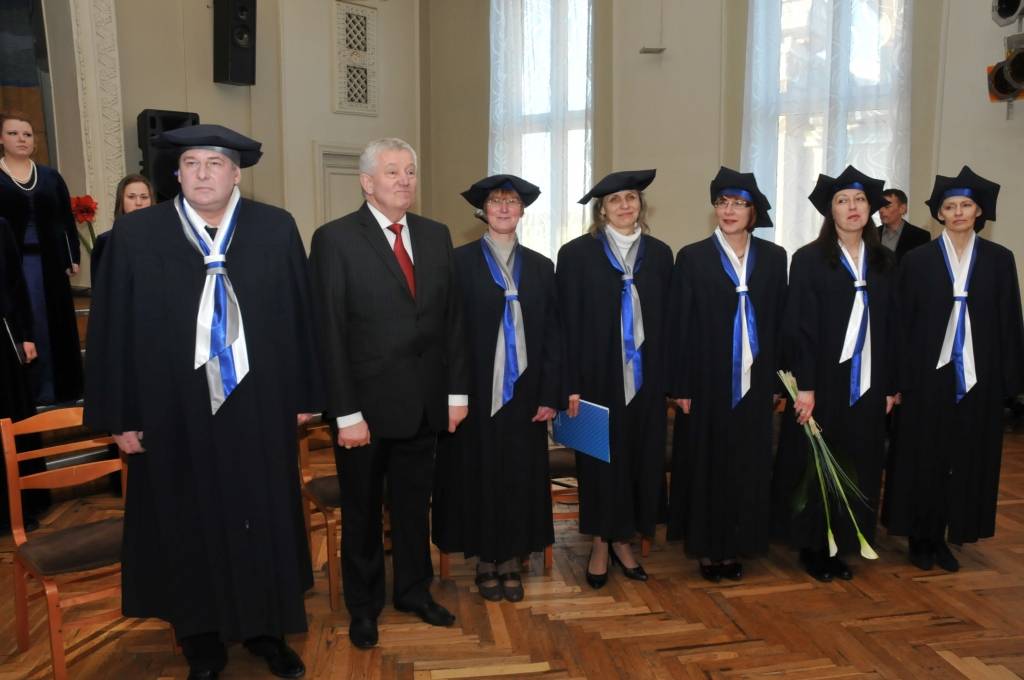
636,573
281,659
492,592
512,586
711,572
430,611
596,581
816,563
921,554
204,674
732,570
840,569
944,557
362,631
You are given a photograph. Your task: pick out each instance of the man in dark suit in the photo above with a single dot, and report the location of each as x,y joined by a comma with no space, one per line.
896,233
394,360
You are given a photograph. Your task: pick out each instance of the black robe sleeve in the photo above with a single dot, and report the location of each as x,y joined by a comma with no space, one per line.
310,399
680,345
1011,328
112,396
15,308
552,393
801,320
62,212
569,281
455,337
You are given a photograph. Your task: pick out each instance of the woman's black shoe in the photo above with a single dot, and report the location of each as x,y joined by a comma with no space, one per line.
636,573
711,572
921,554
512,586
816,564
732,570
492,592
944,557
596,581
839,568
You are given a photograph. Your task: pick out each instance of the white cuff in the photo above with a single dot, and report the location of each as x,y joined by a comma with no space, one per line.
350,419
458,400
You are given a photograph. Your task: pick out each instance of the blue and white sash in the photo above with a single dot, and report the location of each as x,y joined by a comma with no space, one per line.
220,334
958,343
631,315
745,346
857,344
510,350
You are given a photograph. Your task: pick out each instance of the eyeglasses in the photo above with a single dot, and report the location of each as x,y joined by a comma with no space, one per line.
507,202
731,202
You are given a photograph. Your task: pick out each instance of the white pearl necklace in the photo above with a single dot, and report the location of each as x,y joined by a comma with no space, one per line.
32,175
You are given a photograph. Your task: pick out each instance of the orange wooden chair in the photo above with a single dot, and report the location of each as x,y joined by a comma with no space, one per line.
321,495
78,554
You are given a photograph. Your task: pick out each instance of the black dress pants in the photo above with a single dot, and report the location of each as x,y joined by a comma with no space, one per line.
408,466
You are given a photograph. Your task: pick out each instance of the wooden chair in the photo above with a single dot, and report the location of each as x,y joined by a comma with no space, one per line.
321,495
78,554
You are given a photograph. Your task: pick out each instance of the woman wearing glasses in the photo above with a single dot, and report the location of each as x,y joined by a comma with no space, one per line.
491,494
728,295
613,291
962,355
836,334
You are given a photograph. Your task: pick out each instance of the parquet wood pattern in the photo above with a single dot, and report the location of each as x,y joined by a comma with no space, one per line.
891,621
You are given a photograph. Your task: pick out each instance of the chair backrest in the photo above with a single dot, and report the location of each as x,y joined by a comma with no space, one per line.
73,471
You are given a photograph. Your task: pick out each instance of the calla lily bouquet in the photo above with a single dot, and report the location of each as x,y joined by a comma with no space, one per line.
833,481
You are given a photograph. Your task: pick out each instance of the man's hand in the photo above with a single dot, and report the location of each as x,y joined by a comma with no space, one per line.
804,405
890,401
304,418
30,351
129,442
684,404
544,413
72,270
456,414
354,435
574,405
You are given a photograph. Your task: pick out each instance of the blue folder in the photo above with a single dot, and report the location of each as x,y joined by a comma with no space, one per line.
587,432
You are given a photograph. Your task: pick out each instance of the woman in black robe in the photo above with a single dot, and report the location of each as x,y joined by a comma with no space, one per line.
35,200
840,360
617,262
943,478
728,295
133,192
492,496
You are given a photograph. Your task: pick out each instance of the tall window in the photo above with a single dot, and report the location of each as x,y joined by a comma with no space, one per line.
541,111
828,85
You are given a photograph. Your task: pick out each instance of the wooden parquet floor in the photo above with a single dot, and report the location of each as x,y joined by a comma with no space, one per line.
890,621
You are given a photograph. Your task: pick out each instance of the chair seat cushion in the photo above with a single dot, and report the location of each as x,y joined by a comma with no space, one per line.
325,490
77,548
561,462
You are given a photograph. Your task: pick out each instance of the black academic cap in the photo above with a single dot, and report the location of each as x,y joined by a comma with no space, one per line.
624,180
728,182
207,135
827,187
967,183
477,194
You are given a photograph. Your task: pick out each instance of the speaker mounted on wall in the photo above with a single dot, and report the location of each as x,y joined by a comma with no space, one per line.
234,42
159,165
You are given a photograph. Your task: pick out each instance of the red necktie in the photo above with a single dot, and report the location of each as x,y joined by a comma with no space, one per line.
404,261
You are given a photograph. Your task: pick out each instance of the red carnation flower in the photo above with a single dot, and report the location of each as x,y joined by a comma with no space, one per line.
83,208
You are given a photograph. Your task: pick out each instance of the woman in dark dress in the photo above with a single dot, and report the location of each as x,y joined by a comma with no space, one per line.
962,355
35,201
491,493
837,345
728,296
618,277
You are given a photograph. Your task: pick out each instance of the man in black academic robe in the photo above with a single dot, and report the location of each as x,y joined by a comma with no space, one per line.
214,536
392,344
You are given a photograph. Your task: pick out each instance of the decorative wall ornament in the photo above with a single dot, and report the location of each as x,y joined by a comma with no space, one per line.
94,30
355,59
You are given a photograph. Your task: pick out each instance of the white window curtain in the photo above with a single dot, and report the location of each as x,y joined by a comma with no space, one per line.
827,85
540,124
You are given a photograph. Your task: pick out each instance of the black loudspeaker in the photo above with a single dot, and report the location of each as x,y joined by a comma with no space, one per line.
159,165
234,42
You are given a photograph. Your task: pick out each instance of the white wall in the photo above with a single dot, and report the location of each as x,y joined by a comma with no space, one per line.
307,116
973,131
